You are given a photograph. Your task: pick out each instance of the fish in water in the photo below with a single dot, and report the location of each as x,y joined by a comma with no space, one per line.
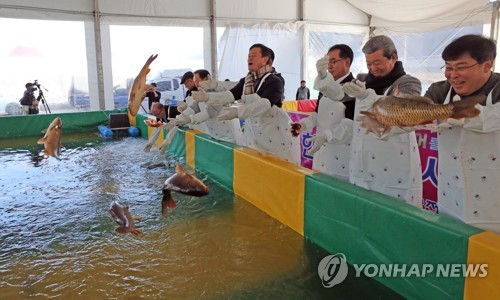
181,182
137,91
151,165
52,138
121,215
410,110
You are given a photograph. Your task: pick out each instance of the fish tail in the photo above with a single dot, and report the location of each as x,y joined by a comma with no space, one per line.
135,231
466,107
167,202
171,204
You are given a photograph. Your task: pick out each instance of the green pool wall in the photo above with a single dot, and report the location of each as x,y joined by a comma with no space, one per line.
32,125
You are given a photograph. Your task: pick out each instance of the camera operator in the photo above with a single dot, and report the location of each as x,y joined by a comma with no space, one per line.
152,94
28,101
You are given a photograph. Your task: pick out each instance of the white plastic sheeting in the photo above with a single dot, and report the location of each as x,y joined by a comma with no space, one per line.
296,45
282,38
422,15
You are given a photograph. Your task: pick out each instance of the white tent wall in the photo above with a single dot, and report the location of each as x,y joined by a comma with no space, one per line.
293,28
280,37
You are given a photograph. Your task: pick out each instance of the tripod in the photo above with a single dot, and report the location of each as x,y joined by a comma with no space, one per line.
41,97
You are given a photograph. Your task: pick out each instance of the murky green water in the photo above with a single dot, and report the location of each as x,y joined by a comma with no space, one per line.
58,241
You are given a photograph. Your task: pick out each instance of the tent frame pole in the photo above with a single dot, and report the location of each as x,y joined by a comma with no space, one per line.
98,53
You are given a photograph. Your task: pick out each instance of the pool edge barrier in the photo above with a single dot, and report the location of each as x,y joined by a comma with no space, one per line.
72,122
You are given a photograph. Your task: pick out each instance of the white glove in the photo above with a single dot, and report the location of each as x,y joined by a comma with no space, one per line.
181,106
456,122
221,98
450,122
322,66
208,84
199,117
152,140
227,113
182,120
148,147
439,126
355,89
171,124
177,121
371,125
200,96
213,110
319,139
168,140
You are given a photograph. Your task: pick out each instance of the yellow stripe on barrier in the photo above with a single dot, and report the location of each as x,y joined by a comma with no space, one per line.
131,119
271,184
484,248
290,105
190,146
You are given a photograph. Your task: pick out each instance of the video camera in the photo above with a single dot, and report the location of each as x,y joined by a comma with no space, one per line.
35,82
36,85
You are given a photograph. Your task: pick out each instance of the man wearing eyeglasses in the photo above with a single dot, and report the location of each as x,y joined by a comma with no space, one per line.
469,151
387,163
333,115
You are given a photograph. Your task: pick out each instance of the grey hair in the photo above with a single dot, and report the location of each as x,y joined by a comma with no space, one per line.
380,42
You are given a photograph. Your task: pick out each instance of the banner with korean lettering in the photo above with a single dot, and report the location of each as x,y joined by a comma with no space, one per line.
428,148
305,145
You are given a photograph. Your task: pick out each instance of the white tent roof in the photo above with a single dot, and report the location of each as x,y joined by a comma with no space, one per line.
406,15
287,26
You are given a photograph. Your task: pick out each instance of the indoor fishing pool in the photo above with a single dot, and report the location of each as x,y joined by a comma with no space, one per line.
57,239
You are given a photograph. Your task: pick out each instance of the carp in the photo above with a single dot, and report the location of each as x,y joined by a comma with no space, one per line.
137,91
52,138
183,183
122,217
410,110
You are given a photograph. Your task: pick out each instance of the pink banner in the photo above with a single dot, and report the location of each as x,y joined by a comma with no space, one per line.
305,159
